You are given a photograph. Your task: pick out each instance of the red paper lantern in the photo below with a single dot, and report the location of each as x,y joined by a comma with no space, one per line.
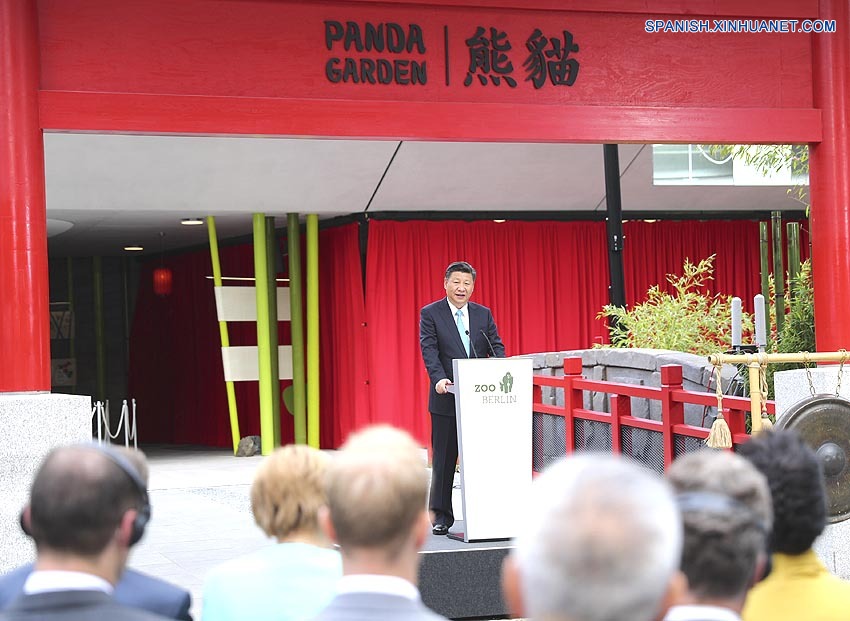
162,281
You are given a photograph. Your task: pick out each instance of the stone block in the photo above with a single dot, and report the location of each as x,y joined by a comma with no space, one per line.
692,365
547,393
30,426
645,359
538,361
792,386
640,407
554,360
833,548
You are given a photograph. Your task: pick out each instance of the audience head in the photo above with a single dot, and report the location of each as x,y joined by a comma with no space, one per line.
726,511
85,498
377,492
797,488
602,543
288,490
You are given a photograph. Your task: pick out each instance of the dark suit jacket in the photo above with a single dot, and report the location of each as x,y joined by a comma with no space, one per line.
135,589
376,607
73,606
440,343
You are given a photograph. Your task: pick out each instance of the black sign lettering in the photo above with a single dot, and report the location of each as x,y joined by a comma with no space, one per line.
384,38
488,58
553,62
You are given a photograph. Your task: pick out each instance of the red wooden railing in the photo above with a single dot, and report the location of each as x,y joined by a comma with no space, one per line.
671,394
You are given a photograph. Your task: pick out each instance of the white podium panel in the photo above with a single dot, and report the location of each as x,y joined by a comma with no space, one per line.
493,400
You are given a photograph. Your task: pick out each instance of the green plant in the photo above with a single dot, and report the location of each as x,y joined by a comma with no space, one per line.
688,319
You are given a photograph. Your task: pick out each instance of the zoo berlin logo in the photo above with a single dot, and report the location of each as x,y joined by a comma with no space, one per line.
506,386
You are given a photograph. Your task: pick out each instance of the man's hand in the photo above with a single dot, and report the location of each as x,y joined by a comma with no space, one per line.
440,386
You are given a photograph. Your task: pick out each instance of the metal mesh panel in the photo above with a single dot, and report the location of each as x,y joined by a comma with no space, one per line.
548,440
592,435
645,446
686,444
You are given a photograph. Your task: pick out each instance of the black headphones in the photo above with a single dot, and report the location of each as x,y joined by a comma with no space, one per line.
718,503
143,514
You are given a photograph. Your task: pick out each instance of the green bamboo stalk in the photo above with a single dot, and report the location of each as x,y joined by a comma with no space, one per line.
264,345
225,337
271,250
764,258
313,330
296,322
793,237
778,270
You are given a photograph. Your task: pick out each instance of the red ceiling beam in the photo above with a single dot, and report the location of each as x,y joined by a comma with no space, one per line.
479,122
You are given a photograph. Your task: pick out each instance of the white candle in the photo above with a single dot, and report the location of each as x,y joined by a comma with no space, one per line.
761,326
736,322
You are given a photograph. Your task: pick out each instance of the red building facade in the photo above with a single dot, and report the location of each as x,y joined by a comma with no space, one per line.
466,70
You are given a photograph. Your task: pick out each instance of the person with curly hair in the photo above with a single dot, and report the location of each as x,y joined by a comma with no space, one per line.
799,585
296,577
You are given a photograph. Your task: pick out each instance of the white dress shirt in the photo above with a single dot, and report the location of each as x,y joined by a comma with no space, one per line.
57,580
372,583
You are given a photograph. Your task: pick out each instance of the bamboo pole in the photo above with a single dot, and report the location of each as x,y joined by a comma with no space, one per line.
755,397
222,330
836,356
778,272
271,263
793,233
299,395
313,330
764,260
261,283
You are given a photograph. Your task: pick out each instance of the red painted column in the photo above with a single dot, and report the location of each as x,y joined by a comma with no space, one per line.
830,180
24,319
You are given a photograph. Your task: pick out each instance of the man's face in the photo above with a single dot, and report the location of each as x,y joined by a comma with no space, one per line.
459,286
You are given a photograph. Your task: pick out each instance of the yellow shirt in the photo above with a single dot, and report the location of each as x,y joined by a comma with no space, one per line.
799,588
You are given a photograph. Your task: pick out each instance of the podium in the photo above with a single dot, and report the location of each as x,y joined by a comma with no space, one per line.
493,402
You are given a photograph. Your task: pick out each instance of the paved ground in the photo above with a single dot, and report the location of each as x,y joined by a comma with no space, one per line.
201,515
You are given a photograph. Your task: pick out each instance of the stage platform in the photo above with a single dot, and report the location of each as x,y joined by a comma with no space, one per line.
463,580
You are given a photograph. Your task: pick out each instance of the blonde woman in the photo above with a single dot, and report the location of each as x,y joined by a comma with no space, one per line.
294,579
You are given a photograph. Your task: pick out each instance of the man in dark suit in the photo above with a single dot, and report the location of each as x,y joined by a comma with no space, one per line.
134,589
452,327
88,506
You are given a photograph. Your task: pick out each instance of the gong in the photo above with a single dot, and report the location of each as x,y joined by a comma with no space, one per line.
823,422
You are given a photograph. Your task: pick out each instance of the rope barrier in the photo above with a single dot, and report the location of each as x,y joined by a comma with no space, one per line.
126,420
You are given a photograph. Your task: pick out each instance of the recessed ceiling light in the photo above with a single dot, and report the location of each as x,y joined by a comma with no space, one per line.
192,221
134,248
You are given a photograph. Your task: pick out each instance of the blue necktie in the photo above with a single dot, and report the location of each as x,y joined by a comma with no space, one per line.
464,335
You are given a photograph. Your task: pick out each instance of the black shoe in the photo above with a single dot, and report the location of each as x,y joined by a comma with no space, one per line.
440,529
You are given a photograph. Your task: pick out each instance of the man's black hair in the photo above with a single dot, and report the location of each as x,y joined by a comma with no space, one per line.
796,482
460,266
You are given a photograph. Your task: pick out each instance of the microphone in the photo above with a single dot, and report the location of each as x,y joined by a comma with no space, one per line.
492,351
472,345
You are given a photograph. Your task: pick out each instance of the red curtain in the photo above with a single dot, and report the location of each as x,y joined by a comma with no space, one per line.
654,249
344,372
544,281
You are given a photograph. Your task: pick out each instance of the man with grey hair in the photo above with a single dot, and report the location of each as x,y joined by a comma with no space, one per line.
602,543
377,489
727,515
